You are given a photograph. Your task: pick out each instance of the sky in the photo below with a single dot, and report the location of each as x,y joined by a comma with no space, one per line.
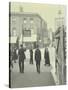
47,11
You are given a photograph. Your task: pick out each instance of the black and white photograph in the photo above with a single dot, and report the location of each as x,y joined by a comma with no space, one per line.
37,46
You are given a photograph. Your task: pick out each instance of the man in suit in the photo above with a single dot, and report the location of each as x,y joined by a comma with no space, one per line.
21,58
38,58
31,56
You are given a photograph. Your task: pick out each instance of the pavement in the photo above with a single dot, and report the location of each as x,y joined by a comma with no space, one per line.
30,78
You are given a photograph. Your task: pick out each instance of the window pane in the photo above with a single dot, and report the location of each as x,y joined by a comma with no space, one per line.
27,33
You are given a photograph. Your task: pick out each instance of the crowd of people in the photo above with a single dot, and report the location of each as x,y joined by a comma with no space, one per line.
20,55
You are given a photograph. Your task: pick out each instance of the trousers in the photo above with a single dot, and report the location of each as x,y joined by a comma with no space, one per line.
21,66
38,66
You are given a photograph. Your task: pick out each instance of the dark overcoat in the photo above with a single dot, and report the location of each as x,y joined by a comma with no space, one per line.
31,54
21,54
37,55
14,55
46,56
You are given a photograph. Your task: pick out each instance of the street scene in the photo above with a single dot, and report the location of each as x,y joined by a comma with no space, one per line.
37,46
33,79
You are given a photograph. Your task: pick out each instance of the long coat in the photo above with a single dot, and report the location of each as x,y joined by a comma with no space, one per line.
14,57
21,54
31,54
46,56
37,55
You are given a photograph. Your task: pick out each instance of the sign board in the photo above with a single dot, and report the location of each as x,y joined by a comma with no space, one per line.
33,38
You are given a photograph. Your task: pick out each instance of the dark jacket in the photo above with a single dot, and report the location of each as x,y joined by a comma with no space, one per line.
46,56
38,55
21,54
31,54
14,55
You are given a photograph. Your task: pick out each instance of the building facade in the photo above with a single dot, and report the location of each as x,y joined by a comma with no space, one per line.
28,29
60,61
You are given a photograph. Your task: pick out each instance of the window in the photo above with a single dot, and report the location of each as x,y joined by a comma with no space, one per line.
27,33
13,19
32,31
14,32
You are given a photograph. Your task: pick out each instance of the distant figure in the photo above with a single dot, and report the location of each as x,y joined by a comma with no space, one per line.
14,55
10,60
38,59
31,56
21,59
46,56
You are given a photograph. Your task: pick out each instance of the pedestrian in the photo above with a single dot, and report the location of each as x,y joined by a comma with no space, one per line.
46,57
31,56
14,55
38,58
21,58
10,60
